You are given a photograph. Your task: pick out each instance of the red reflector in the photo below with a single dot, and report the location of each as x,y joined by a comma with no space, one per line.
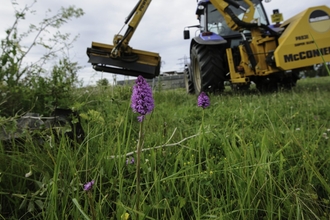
207,34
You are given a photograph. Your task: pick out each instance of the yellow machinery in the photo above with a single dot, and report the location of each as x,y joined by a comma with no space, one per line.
306,39
120,57
236,43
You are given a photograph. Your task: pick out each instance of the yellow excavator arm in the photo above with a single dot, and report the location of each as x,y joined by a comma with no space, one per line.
303,42
121,42
222,7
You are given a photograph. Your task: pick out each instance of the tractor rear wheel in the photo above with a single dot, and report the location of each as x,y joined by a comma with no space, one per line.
208,68
188,81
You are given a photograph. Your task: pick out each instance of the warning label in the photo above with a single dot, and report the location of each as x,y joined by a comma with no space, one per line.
277,18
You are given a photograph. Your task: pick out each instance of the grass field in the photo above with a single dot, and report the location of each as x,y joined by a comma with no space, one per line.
247,156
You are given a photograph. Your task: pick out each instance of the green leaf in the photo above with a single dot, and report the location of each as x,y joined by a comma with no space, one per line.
182,201
23,204
4,59
39,203
74,200
31,206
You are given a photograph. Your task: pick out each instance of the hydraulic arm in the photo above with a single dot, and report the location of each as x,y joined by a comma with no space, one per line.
252,51
237,43
120,57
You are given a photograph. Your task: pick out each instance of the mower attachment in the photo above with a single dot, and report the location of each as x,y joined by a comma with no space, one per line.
144,63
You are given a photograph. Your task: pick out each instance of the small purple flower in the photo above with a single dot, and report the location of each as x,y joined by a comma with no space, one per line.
130,161
203,100
88,186
142,100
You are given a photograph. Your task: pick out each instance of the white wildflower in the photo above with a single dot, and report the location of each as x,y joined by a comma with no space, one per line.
28,174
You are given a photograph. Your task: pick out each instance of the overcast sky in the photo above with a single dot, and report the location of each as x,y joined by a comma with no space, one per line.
161,29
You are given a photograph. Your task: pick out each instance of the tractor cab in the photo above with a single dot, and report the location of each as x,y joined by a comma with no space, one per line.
212,20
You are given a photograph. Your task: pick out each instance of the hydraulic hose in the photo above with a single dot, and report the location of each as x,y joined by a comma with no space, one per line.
132,12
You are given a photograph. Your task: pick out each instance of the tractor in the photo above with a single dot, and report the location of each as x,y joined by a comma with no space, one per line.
235,43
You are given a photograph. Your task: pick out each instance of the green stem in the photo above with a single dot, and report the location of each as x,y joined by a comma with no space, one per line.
91,204
201,140
200,144
139,150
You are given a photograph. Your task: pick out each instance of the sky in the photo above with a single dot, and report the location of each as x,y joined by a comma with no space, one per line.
160,31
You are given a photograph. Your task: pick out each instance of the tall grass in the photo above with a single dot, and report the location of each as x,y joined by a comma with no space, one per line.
257,157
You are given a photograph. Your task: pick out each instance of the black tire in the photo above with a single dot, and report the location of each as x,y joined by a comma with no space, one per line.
290,81
208,68
188,81
267,86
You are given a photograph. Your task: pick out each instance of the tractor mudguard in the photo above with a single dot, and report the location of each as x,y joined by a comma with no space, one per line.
209,38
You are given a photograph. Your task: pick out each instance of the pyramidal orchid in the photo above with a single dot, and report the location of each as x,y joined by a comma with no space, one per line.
89,185
203,100
88,188
142,100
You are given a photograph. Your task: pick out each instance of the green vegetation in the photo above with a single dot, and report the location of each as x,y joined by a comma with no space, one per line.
255,157
33,84
246,156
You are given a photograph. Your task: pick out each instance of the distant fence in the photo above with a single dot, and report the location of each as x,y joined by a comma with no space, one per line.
161,82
